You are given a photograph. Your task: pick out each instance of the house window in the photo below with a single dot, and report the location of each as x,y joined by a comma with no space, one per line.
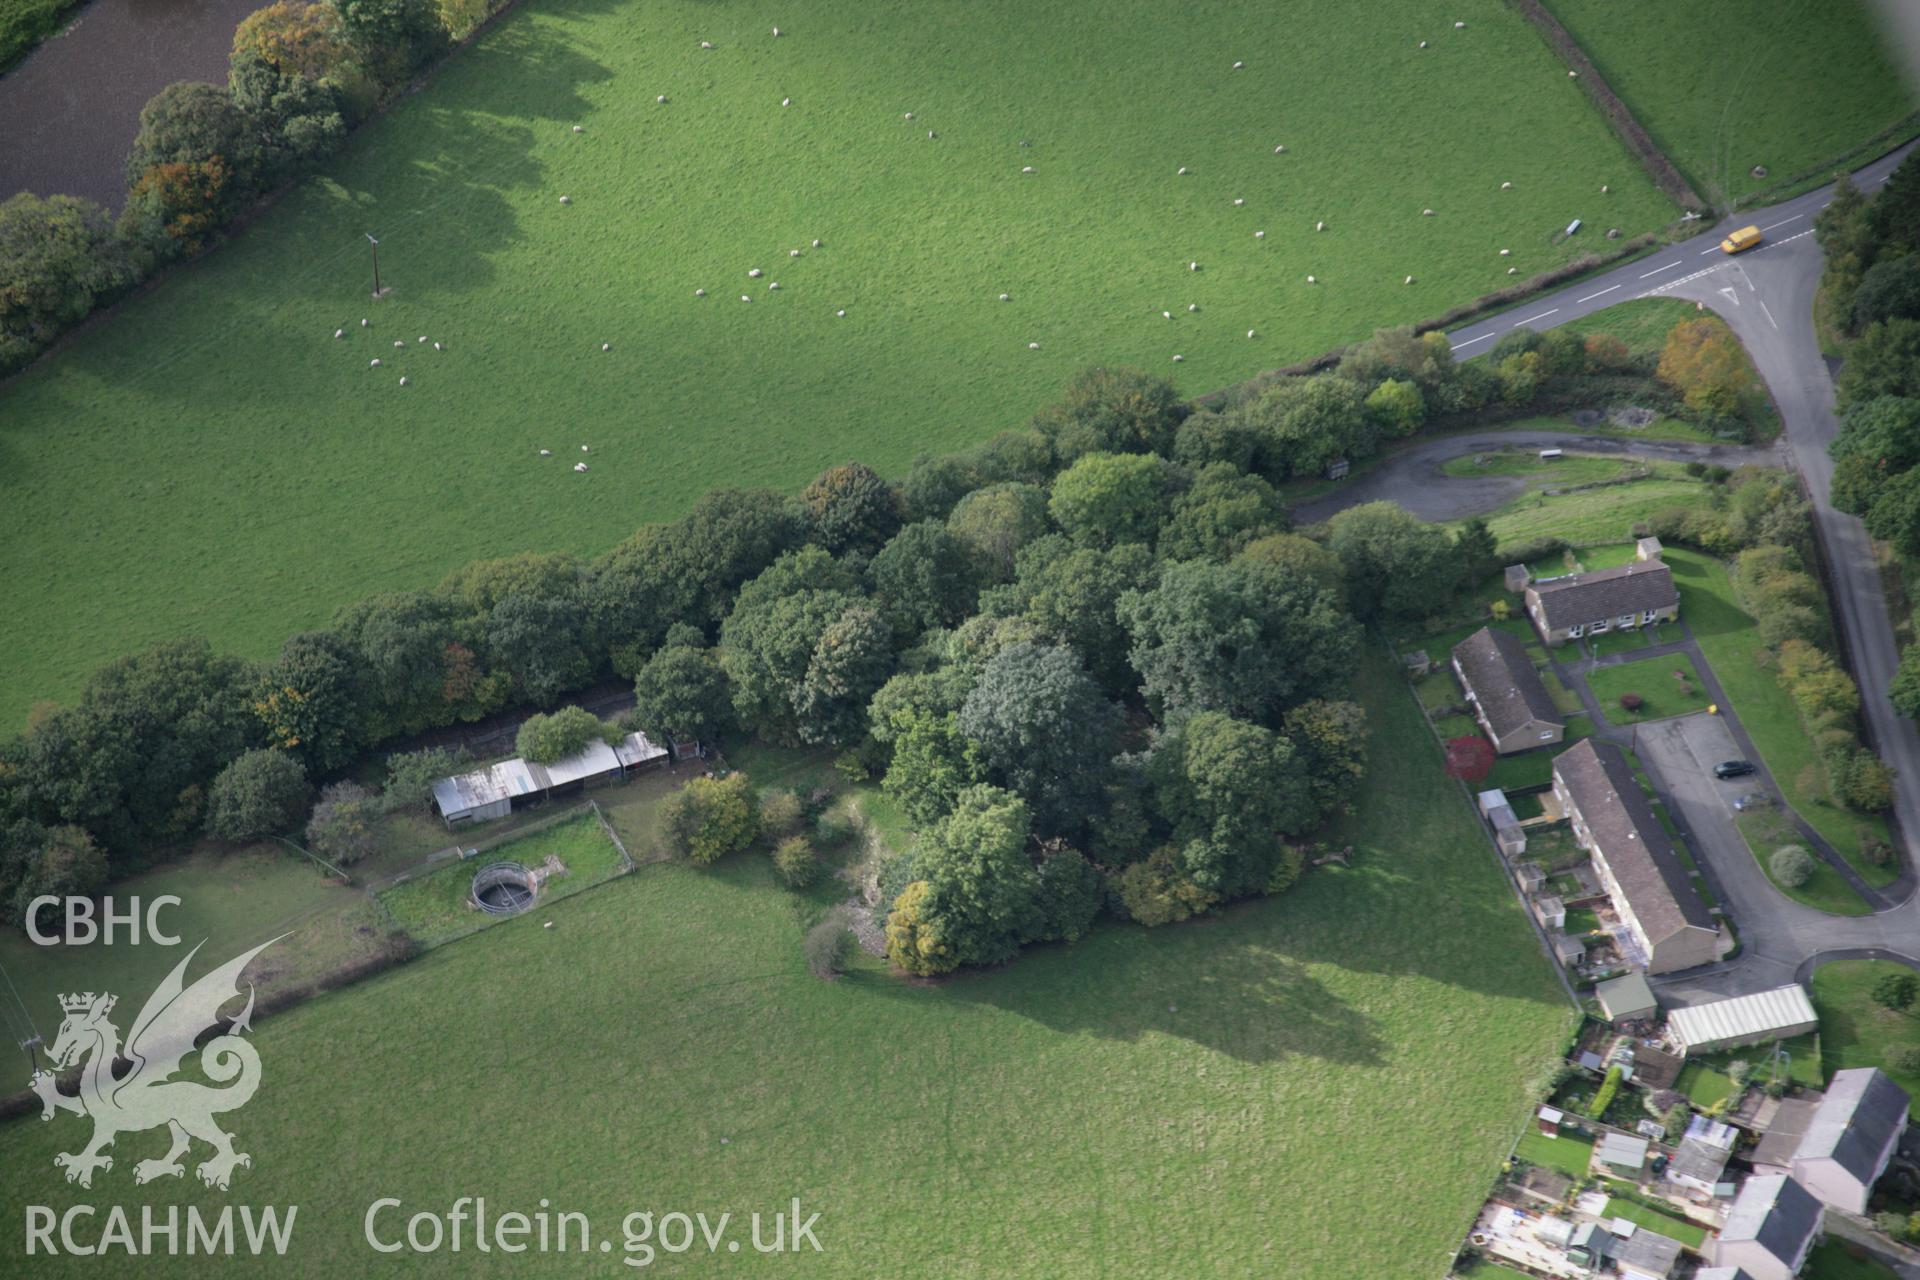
1648,616
1598,625
1626,620
1546,735
1575,631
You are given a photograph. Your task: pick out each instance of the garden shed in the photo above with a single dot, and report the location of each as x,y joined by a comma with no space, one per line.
1623,1151
1779,1014
1623,999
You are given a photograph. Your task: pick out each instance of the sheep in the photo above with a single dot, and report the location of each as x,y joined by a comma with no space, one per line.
403,382
793,253
423,337
1249,333
1319,226
1408,280
1006,297
1513,271
1033,346
1237,202
776,33
840,313
374,363
1239,66
1506,253
566,199
579,466
546,453
1605,189
1423,44
786,102
931,134
753,273
1028,169
1280,151
438,347
661,98
1426,213
1181,172
364,323
706,44
909,115
816,244
745,298
1259,235
339,333
606,346
774,285
1459,26
1167,314
1506,186
1193,306
398,343
1193,266
1178,359
699,293
579,129
1311,280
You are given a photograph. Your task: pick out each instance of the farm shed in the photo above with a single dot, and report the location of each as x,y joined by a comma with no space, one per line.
638,751
1779,1014
595,763
484,794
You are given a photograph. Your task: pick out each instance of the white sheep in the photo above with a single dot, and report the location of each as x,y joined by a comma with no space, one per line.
579,129
745,298
1311,280
423,337
364,323
1259,235
909,115
1408,280
1249,333
1459,26
1423,44
1006,297
1193,266
1193,306
1033,346
932,134
1513,271
661,98
1506,186
1181,172
774,285
793,253
606,346
776,33
1238,65
1506,253
1280,151
579,466
374,363
403,382
786,102
1426,213
699,293
398,343
706,44
438,347
1604,190
1028,169
339,333
816,244
546,453
1319,226
1178,359
1237,202
753,273
840,313
1167,314
566,199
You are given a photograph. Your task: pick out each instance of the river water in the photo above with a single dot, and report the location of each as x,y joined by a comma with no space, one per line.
68,113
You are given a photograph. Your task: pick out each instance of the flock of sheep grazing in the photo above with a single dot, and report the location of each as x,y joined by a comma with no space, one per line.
756,273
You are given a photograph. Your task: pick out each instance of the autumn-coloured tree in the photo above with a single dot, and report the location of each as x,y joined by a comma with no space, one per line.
183,201
295,39
1469,757
1704,363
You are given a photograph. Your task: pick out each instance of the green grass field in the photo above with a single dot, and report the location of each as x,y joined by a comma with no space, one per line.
1591,515
1655,680
1723,88
1854,1031
1732,645
212,460
1198,1092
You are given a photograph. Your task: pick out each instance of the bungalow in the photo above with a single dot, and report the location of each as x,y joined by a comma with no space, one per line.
1505,691
1851,1138
1636,594
1667,924
1770,1230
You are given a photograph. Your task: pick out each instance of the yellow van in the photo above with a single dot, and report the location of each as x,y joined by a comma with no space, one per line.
1741,240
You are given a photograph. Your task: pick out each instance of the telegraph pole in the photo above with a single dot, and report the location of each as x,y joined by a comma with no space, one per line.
376,265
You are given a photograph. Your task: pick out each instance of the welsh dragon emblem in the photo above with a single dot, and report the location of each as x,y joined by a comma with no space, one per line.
144,1093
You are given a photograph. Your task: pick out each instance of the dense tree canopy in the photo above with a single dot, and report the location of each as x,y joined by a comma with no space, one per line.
1044,731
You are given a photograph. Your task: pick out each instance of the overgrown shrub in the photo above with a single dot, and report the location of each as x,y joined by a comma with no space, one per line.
827,946
780,813
1791,865
256,795
1603,1097
794,862
711,817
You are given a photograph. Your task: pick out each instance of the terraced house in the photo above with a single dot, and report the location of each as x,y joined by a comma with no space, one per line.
1638,594
1666,925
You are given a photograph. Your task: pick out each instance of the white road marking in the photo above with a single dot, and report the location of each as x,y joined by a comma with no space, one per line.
1770,319
1590,297
1657,270
1530,319
1784,221
1470,341
1715,249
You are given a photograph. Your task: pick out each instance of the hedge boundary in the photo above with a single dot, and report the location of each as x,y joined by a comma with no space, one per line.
1639,143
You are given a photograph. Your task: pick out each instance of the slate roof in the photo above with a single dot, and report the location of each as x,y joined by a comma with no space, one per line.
1775,1212
1862,1113
1631,839
1647,1252
1580,598
1782,1138
1699,1159
1503,681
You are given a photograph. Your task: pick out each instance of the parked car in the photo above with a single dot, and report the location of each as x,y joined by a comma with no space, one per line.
1733,769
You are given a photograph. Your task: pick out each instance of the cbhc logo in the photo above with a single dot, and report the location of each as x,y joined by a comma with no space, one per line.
83,926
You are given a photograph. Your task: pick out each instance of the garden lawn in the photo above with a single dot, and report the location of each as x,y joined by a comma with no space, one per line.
668,1049
1732,647
1703,1086
1690,1234
1765,831
1590,515
437,907
1722,92
1570,1153
1655,681
1831,1261
211,459
1854,1031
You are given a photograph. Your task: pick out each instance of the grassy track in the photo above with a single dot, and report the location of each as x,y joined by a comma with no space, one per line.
1261,1065
1723,86
211,460
1854,1031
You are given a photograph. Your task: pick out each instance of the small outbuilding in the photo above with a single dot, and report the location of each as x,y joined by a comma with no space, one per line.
1765,1016
483,794
1550,1118
1623,999
1622,1151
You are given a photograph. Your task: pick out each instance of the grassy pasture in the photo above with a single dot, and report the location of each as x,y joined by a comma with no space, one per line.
210,459
1854,1031
1261,1065
1723,87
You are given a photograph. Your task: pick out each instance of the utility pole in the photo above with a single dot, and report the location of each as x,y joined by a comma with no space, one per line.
376,265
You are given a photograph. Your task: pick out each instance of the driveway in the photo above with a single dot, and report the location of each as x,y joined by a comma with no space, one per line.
1413,477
